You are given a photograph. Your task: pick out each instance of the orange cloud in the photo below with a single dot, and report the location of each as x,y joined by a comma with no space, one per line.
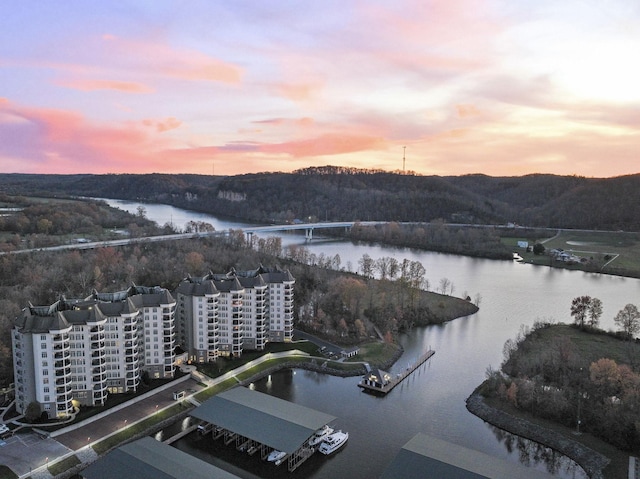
167,124
303,122
94,85
329,144
297,91
467,111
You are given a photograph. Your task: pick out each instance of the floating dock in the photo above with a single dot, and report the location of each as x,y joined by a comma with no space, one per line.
380,382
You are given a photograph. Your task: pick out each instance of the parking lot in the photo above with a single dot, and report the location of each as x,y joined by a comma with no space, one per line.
25,452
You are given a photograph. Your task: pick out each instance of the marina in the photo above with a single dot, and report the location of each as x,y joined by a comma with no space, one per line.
380,382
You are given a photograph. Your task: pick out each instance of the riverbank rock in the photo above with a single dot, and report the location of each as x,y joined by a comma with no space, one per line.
591,461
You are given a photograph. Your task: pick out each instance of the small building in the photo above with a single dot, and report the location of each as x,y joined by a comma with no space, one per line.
426,457
147,458
349,353
376,378
523,244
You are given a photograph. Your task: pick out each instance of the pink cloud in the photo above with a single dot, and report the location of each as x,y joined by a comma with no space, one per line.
181,63
94,85
47,139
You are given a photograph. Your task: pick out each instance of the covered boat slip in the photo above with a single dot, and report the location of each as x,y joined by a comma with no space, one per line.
147,458
426,457
257,421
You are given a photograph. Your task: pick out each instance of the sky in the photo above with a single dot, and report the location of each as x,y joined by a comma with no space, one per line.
212,87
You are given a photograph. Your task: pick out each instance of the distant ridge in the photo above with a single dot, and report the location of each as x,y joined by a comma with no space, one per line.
339,193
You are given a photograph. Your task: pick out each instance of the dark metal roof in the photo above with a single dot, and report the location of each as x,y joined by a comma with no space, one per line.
272,421
151,459
426,457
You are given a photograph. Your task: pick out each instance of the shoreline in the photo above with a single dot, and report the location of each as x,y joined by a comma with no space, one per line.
592,462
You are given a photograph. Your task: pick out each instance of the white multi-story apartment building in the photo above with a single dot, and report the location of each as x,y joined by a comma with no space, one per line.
80,350
197,300
228,313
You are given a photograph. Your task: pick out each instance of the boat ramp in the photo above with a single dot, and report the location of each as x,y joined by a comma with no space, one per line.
381,382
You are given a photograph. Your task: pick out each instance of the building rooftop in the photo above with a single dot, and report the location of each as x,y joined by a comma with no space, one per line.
426,457
147,458
277,423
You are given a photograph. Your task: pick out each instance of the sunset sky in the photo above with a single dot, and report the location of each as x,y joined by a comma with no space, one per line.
500,87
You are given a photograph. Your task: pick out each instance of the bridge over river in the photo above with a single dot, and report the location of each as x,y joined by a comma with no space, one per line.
248,230
308,227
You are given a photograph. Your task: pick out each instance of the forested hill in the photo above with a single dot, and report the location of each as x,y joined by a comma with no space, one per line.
336,193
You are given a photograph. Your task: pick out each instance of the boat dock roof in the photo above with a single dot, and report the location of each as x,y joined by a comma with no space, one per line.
271,421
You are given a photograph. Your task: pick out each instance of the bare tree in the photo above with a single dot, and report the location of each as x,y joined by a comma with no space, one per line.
445,284
594,311
628,320
580,308
366,264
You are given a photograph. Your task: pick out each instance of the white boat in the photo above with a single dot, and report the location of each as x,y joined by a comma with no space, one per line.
333,442
320,435
275,456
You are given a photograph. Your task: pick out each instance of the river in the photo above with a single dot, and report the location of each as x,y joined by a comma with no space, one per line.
432,400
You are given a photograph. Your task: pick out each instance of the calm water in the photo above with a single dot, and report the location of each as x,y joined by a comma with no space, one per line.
432,399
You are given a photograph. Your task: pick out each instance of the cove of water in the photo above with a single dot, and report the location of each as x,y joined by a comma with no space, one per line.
432,399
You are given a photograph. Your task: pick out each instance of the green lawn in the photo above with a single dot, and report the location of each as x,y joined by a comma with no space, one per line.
598,247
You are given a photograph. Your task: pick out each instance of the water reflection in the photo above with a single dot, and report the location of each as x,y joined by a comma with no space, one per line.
533,454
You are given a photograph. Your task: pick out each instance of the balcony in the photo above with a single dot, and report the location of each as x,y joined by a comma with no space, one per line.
100,396
132,383
65,390
59,338
65,355
66,407
63,372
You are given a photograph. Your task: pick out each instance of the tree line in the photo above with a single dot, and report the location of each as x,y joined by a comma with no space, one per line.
336,193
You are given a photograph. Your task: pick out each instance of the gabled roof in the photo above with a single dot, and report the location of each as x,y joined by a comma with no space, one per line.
427,457
272,421
197,287
147,458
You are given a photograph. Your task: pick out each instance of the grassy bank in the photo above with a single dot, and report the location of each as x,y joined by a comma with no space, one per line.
609,252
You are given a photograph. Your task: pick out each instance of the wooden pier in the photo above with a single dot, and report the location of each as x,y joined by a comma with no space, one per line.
384,385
